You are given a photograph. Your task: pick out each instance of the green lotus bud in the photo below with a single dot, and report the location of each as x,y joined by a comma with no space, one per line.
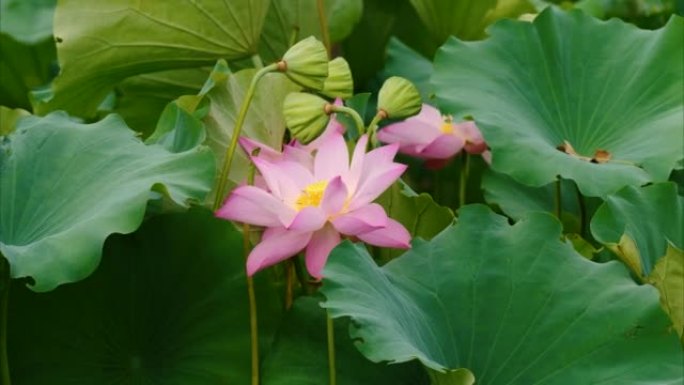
398,98
306,63
306,115
339,83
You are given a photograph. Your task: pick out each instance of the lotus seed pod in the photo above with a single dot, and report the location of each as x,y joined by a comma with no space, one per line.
306,63
398,98
306,115
339,83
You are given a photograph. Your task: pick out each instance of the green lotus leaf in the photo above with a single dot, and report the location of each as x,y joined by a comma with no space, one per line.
403,61
419,214
466,19
65,186
533,87
178,130
299,18
9,119
517,200
512,304
27,21
299,354
668,277
638,223
167,305
27,49
23,68
141,99
95,52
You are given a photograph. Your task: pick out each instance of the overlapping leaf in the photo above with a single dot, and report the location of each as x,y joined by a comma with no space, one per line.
141,99
650,217
65,186
466,19
419,214
168,305
405,62
96,53
27,50
298,19
668,277
533,86
513,304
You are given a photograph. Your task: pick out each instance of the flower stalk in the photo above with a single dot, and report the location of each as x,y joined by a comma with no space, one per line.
353,114
331,348
462,187
325,33
373,127
558,200
582,212
230,151
253,321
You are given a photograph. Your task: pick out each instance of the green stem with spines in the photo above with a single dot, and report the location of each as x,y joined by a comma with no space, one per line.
230,151
331,348
353,114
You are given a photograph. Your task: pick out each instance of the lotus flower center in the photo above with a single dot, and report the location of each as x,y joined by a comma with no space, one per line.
447,128
312,195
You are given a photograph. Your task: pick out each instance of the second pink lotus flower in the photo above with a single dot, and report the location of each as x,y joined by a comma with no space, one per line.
429,135
309,200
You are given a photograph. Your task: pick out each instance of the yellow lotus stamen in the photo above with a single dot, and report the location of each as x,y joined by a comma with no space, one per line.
447,128
312,195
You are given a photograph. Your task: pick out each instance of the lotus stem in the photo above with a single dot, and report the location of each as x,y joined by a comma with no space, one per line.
302,275
289,283
253,321
462,187
4,300
325,34
257,62
558,200
373,127
582,212
331,348
230,152
353,114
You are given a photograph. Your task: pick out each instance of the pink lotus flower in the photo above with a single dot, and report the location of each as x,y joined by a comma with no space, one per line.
308,203
429,135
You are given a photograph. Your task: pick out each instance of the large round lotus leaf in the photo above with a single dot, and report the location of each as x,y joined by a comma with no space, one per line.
299,354
168,305
649,217
513,304
101,43
65,186
611,91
